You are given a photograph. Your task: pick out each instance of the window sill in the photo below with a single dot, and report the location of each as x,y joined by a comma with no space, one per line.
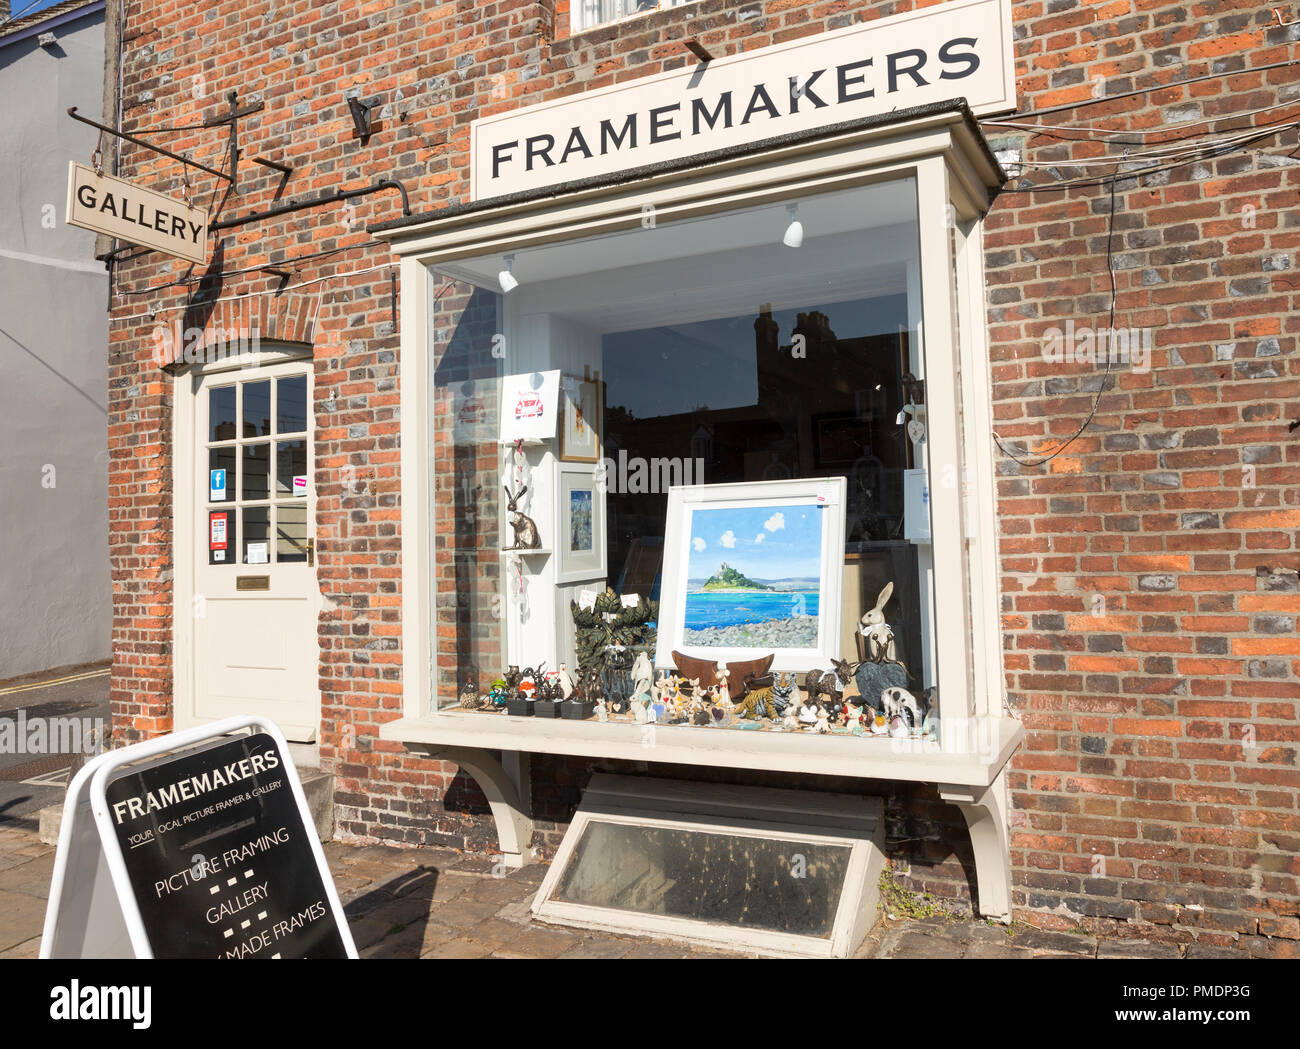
993,741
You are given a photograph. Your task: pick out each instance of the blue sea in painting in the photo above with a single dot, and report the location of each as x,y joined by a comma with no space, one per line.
705,609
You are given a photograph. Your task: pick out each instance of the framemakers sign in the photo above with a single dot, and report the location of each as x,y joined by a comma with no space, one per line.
957,49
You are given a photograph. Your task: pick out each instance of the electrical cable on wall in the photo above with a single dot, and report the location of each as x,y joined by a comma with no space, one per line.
1165,156
1105,382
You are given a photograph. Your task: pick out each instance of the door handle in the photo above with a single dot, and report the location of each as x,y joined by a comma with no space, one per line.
311,551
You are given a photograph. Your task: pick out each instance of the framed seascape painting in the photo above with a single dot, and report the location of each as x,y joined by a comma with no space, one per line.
580,527
754,568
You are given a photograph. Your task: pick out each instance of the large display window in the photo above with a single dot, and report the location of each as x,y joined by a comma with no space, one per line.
683,453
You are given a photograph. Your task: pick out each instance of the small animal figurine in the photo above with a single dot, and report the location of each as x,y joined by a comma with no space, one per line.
785,691
499,693
757,702
852,717
602,714
790,723
823,723
904,712
642,673
808,712
469,695
512,677
565,681
525,528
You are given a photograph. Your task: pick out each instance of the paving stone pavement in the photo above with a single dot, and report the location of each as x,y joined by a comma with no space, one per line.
438,903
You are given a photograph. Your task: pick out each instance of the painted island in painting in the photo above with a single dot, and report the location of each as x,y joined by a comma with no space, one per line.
754,577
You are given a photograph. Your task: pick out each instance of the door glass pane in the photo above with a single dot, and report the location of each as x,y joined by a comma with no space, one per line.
221,537
254,484
291,405
290,464
221,414
221,459
257,409
291,532
257,527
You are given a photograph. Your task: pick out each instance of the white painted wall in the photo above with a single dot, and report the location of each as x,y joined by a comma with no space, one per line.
54,579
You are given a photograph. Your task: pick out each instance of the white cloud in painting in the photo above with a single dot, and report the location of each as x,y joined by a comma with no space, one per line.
728,539
698,543
760,537
774,523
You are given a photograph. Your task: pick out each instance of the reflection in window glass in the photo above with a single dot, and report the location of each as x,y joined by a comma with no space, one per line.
256,463
726,357
257,528
291,405
290,463
221,414
257,409
222,459
708,876
291,532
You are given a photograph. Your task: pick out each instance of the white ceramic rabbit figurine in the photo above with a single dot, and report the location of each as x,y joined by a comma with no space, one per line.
876,615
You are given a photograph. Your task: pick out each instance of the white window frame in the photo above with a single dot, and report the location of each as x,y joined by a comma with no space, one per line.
580,20
944,153
943,157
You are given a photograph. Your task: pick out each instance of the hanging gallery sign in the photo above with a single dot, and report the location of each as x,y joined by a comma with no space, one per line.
959,49
121,209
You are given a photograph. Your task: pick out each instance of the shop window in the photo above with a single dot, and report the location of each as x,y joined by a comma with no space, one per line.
776,343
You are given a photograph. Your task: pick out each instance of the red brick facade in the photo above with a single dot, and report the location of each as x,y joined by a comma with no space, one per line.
1149,572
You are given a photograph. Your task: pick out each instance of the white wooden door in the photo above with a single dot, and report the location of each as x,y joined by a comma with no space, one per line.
255,597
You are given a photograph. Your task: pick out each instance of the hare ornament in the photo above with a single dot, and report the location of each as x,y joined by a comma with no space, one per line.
526,536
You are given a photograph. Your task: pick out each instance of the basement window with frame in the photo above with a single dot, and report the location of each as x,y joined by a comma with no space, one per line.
734,470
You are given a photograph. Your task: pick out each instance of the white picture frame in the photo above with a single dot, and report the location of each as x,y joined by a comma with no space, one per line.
779,566
573,564
580,419
530,404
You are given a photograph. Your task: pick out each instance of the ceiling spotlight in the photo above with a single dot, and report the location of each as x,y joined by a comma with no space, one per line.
506,278
794,232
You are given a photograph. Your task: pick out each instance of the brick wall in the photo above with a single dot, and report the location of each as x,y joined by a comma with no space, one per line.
1149,570
1149,580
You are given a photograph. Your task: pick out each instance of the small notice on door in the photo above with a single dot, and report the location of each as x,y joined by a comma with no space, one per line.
218,536
256,554
217,486
300,485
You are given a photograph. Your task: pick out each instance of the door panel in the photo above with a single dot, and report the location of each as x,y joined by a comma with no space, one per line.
255,595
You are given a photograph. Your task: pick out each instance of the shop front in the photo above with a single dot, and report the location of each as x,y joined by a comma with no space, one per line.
698,472
706,447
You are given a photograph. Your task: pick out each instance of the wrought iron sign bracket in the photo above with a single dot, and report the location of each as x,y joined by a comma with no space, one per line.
231,118
315,202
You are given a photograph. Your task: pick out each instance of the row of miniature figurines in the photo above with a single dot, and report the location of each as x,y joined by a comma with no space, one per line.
829,701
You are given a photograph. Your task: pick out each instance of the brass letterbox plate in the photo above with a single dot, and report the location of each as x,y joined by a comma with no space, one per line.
252,582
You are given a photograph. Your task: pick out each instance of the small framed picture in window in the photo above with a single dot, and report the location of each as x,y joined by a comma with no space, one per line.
580,528
580,425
